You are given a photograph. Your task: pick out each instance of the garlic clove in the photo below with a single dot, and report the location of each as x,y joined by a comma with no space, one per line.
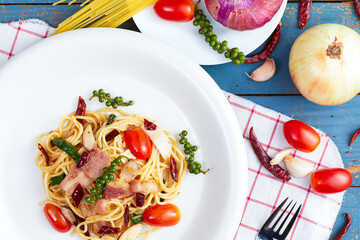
298,168
280,156
264,72
161,141
131,233
88,138
69,215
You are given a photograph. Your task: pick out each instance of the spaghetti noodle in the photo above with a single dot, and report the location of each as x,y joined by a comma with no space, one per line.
154,169
102,13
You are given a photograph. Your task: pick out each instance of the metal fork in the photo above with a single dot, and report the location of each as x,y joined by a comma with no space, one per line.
269,233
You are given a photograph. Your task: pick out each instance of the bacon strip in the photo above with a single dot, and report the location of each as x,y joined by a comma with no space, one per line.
87,173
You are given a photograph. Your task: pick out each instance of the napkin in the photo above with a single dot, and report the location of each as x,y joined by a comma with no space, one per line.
265,192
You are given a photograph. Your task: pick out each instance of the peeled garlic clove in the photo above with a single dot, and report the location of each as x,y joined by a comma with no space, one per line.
131,233
298,168
280,156
88,138
265,71
69,215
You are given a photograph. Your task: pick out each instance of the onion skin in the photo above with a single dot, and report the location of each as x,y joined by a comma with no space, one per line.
321,78
243,14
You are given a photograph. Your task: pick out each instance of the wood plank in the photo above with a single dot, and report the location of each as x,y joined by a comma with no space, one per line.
350,205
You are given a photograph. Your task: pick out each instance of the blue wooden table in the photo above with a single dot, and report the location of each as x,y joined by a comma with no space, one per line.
279,93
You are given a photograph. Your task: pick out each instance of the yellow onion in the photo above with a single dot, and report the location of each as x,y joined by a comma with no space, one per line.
324,64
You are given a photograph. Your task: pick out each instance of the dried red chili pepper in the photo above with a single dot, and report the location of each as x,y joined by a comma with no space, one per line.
81,108
126,216
357,6
268,49
264,158
344,230
108,230
140,199
77,195
304,12
80,220
84,158
43,151
356,134
111,135
149,125
173,169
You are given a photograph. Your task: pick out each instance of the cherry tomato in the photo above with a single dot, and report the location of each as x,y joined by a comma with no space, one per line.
331,180
56,218
138,142
162,215
301,136
175,10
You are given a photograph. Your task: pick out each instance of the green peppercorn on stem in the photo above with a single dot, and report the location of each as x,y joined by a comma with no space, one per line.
200,20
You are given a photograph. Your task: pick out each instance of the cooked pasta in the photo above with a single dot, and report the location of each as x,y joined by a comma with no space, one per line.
155,168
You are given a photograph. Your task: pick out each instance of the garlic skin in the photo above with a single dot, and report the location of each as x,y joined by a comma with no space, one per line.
280,156
323,64
265,71
243,14
298,168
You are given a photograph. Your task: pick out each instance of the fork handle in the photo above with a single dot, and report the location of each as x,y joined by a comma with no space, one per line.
263,237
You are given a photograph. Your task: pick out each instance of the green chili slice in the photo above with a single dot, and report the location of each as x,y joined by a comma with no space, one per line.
67,147
111,119
136,220
56,180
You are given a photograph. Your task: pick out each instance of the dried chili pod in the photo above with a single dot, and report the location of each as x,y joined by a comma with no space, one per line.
84,158
126,216
77,195
344,230
140,199
268,49
111,135
45,154
81,109
304,12
150,126
173,169
356,134
264,158
104,230
357,6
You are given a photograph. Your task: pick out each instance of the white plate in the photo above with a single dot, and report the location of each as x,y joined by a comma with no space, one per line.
185,36
43,83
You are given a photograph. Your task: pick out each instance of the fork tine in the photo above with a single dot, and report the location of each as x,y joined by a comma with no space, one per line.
291,223
273,215
287,216
282,214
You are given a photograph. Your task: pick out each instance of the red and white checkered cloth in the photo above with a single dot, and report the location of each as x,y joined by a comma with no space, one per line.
265,192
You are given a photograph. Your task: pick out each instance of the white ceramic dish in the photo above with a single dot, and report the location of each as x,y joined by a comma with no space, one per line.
185,36
43,83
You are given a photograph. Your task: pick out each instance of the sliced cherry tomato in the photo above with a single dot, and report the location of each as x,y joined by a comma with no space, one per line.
301,136
175,10
162,215
56,218
138,142
331,180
